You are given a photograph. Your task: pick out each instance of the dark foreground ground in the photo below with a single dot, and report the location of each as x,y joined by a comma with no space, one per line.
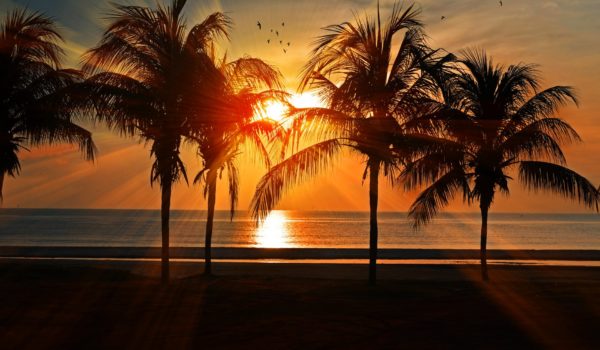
94,305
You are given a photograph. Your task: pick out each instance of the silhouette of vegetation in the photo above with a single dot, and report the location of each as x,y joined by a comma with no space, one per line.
222,107
33,91
415,115
142,67
496,121
372,95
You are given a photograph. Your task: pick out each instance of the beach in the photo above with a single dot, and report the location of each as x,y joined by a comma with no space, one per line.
74,304
74,279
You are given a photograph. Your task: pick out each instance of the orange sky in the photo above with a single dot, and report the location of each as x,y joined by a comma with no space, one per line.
561,36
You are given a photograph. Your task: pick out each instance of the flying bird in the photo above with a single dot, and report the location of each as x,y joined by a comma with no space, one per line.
268,41
283,24
500,3
271,30
280,42
284,51
277,33
259,25
443,18
288,43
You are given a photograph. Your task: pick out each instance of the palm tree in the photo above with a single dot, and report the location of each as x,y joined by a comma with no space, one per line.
33,102
142,68
223,109
496,121
372,94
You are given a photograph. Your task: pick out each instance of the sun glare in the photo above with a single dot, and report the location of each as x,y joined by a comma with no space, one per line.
306,100
273,232
277,111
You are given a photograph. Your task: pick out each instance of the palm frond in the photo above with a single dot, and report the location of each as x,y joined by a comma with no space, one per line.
515,84
544,104
202,35
560,180
292,171
434,156
438,195
542,138
233,182
252,73
320,122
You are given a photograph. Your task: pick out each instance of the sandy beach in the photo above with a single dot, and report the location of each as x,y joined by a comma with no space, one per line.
75,304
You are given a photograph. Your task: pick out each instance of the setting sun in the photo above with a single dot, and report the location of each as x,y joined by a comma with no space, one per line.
278,111
275,110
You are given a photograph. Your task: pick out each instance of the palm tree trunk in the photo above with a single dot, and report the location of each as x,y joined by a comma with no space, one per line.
483,249
165,210
373,199
212,192
1,186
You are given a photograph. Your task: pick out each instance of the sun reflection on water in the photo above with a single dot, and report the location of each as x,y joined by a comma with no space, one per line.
273,232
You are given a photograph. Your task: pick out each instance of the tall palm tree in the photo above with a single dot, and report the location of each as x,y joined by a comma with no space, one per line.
33,102
372,94
142,68
496,121
223,109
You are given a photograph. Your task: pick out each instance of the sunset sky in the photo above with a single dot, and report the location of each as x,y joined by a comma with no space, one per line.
562,36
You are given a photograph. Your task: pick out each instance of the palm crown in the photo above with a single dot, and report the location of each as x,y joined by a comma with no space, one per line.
33,91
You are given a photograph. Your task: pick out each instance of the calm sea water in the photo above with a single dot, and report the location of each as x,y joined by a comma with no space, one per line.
141,228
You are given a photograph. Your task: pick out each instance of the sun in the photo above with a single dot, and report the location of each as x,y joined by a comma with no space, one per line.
277,111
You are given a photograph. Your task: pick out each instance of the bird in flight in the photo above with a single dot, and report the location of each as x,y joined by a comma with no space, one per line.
271,30
276,33
259,25
283,24
500,3
268,41
443,18
280,42
288,43
284,51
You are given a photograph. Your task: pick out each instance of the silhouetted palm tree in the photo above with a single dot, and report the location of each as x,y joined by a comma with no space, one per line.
372,94
142,66
496,121
223,108
33,103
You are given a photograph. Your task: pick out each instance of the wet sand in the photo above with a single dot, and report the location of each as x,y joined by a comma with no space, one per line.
75,304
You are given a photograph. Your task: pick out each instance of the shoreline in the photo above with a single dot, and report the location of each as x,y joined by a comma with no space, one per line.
322,269
243,253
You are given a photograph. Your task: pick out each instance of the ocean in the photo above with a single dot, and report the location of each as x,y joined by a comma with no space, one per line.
289,229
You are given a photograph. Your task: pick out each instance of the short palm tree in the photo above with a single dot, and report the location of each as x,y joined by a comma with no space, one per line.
496,121
142,68
223,109
372,94
33,98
